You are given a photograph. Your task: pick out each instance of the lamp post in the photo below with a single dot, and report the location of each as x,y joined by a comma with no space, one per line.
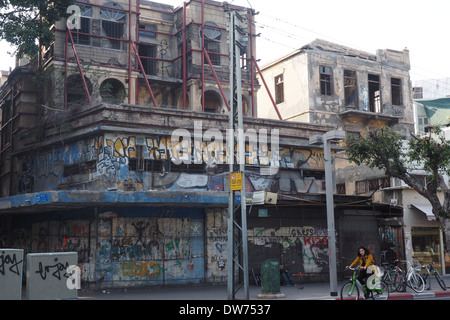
325,139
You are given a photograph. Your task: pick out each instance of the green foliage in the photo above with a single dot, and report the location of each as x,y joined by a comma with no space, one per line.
26,23
386,150
381,149
432,151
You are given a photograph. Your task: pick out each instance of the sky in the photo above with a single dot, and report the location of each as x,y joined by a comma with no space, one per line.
286,25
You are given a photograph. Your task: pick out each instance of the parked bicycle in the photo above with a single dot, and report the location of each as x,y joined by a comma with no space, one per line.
393,275
429,270
374,288
412,279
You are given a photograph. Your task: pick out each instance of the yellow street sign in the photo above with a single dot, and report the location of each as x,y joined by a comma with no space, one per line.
235,181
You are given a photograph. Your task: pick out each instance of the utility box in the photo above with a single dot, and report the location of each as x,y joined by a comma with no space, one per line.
270,277
50,276
11,271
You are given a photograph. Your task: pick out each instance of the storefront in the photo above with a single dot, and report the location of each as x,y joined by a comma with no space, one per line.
423,236
426,245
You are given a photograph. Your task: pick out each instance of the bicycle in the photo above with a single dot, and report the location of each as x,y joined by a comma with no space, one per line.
393,275
351,289
430,268
413,279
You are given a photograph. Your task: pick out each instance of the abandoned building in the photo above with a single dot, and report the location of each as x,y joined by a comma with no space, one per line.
327,83
89,157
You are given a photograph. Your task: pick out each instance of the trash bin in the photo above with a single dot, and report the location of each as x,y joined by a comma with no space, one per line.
270,276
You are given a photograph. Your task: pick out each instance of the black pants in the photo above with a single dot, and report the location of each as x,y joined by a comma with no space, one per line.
362,277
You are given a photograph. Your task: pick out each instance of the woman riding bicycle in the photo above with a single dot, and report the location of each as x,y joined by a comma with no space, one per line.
364,260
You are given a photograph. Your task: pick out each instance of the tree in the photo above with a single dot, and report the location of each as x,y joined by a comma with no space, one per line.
26,24
385,149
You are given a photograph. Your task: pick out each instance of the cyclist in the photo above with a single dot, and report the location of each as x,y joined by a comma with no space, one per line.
364,259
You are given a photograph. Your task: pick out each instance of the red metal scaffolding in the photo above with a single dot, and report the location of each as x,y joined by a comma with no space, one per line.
133,48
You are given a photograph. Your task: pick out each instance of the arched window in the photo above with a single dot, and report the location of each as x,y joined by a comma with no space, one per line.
75,89
112,91
213,38
213,102
113,20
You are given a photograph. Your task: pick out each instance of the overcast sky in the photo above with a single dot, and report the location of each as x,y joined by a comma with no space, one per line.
285,25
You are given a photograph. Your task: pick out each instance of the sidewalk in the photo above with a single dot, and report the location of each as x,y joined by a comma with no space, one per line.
307,291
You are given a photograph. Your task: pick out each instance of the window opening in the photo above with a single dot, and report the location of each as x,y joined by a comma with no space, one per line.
325,80
112,91
113,25
350,88
213,38
374,93
85,26
396,91
76,93
146,52
279,89
147,31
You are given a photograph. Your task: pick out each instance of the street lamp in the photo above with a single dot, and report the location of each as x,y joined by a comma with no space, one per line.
324,139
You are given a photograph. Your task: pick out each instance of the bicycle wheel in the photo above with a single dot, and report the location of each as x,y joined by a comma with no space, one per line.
440,280
380,292
389,280
416,282
398,281
349,290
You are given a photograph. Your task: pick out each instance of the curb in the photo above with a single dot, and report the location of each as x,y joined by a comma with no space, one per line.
423,295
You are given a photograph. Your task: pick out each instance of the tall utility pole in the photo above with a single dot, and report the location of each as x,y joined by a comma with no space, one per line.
237,215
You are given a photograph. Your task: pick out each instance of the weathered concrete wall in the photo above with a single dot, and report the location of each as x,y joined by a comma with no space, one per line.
217,245
11,270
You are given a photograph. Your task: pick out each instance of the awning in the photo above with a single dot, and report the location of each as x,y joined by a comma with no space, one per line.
427,209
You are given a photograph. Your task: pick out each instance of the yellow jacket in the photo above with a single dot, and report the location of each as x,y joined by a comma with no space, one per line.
367,259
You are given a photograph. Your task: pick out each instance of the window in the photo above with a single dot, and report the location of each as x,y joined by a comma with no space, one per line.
350,88
361,186
112,91
80,168
81,36
417,93
396,91
213,37
148,55
213,49
113,25
147,31
423,124
374,93
325,80
279,89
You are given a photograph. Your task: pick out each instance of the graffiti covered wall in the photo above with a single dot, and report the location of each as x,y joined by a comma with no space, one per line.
150,250
110,161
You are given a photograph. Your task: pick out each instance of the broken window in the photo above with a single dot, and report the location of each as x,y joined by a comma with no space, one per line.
113,25
148,55
374,93
325,80
279,89
396,91
213,37
82,35
350,88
